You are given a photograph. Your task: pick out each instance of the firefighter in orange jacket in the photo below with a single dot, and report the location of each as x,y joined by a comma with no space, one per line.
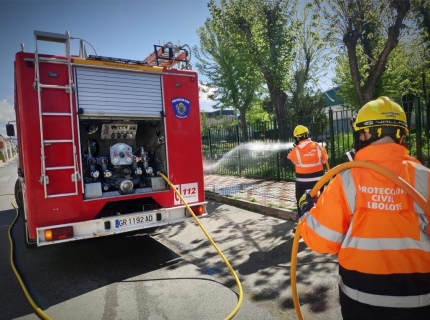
381,236
308,159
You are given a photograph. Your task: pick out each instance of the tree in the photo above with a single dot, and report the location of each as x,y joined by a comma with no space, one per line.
402,75
224,60
270,35
204,122
421,10
312,55
361,26
311,59
257,115
394,82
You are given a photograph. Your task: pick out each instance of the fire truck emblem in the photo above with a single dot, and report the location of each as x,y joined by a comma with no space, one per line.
181,107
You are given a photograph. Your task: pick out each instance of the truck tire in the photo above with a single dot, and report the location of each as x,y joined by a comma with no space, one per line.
18,194
30,244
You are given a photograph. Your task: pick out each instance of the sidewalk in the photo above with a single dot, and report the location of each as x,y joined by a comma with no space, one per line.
276,198
4,163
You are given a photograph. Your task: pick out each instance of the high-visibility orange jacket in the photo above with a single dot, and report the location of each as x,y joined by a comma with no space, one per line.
308,158
381,236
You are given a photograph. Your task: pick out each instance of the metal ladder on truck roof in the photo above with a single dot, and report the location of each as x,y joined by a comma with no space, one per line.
44,179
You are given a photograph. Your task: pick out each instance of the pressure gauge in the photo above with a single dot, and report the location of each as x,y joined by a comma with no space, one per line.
121,147
115,160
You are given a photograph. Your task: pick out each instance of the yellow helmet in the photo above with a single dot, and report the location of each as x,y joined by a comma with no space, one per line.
381,112
300,131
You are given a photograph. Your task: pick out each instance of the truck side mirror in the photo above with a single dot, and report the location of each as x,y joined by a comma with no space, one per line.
10,130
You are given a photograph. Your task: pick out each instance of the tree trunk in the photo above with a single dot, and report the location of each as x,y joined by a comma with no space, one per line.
366,95
350,39
279,98
244,126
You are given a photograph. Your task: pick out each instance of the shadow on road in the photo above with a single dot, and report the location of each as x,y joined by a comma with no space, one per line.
58,273
259,249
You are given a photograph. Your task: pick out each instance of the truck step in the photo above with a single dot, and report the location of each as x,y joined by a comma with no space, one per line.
61,195
59,168
59,114
56,141
53,86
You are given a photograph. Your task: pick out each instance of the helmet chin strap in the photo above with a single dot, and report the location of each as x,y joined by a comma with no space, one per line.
365,143
379,133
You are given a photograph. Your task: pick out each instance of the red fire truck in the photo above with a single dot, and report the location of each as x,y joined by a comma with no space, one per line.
95,134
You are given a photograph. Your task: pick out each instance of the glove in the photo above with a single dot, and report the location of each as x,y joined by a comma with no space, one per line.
306,202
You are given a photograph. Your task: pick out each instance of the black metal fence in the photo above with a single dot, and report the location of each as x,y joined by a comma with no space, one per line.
264,156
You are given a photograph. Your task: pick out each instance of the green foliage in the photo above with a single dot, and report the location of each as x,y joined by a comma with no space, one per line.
369,31
224,60
347,92
268,34
403,75
204,122
266,29
227,65
312,54
343,143
421,10
308,110
413,145
257,115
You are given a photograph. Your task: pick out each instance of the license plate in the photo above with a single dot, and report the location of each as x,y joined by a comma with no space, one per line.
126,222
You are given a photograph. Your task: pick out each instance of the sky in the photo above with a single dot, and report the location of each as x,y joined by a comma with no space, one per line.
126,29
122,29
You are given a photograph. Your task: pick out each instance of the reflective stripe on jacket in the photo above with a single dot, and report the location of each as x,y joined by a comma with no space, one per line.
381,235
308,157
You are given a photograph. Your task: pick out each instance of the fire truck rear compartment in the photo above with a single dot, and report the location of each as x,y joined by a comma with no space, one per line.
122,156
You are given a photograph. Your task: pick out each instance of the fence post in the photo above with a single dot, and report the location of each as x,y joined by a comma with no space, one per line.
332,152
418,136
238,149
427,108
278,162
210,145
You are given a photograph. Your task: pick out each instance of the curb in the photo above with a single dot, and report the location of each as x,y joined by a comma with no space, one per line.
252,206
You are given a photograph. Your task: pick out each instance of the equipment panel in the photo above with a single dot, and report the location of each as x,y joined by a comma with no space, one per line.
121,154
119,131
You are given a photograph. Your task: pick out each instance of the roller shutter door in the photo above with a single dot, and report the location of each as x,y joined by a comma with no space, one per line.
118,93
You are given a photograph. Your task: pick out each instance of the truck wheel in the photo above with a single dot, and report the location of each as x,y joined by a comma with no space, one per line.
30,244
18,195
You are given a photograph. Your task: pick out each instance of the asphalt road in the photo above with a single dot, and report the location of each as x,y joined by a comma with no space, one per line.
174,274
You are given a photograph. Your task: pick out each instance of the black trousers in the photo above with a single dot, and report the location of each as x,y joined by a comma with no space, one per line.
353,310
